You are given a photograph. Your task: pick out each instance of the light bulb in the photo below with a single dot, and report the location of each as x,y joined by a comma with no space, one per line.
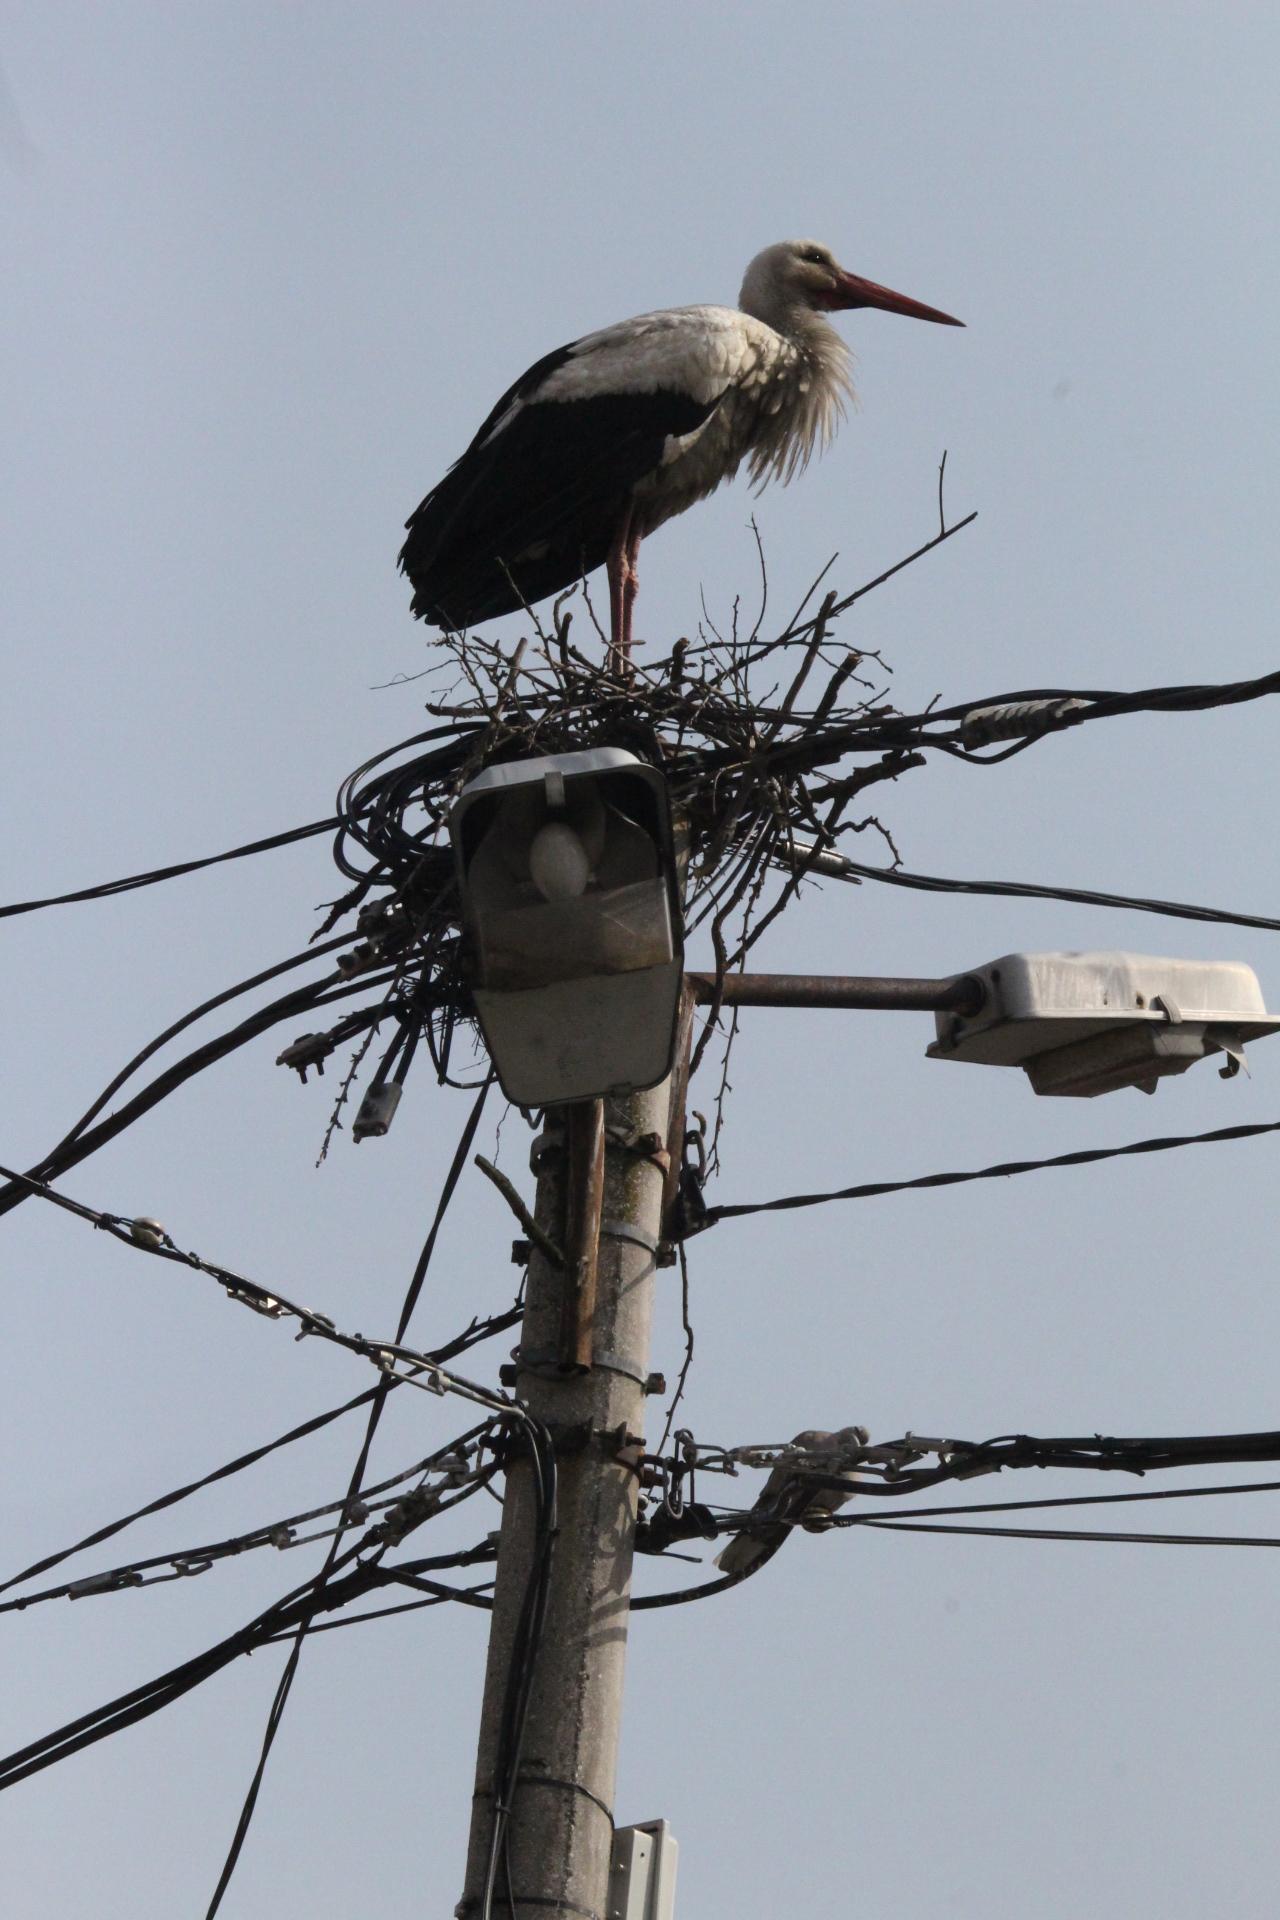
558,863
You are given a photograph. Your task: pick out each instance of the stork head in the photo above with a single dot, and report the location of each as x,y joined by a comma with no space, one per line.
805,274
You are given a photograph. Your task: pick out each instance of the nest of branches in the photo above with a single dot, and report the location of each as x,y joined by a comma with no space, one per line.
766,745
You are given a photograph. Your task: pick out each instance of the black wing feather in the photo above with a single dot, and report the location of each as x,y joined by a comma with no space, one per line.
527,512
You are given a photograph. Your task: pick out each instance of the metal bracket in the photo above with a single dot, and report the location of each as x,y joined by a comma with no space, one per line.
625,1447
663,1252
626,1230
624,1364
545,1361
649,1147
548,1364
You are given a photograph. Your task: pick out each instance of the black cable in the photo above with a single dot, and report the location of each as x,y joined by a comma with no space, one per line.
106,889
1097,1454
372,800
284,1614
722,1585
1196,697
220,999
284,1685
78,1146
1077,896
468,1596
1067,1500
1079,1533
187,1562
142,1701
237,1465
478,1330
437,1599
525,1646
280,1700
1087,1157
911,729
1135,1456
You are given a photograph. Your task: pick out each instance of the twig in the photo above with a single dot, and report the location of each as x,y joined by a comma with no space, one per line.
687,1362
753,636
541,1240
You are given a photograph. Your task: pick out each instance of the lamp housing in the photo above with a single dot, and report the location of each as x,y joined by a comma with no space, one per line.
1088,1023
567,871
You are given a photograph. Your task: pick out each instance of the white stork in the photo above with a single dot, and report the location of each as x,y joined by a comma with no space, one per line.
601,441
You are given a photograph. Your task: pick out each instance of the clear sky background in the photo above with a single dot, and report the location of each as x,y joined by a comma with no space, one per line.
266,267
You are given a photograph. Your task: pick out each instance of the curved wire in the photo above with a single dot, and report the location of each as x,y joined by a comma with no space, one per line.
105,890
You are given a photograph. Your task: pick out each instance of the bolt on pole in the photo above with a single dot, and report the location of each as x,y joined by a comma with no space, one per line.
582,1371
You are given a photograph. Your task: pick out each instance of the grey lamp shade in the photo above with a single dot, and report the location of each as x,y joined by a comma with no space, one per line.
568,876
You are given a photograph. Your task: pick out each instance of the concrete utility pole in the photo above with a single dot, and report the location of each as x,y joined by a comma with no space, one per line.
602,1175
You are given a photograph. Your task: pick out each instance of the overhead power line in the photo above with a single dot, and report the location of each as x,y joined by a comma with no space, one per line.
280,1534
107,889
1088,1156
471,1336
334,1557
147,1236
1080,1533
282,1615
838,866
78,1145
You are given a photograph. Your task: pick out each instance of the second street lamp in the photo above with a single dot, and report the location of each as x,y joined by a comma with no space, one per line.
1090,1023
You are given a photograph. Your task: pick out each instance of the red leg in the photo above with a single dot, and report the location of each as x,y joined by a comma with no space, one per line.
630,587
620,565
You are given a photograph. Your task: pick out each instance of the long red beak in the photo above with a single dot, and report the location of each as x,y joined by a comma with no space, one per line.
855,292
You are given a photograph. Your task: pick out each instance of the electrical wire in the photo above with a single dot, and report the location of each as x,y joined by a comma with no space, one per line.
1026,890
871,1190
770,1526
876,731
148,1237
105,890
333,1557
139,1703
383,1613
1080,1533
189,1561
648,1601
965,1459
478,1330
78,1145
525,1646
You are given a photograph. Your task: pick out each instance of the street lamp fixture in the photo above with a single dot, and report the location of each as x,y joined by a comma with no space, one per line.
1090,1023
570,899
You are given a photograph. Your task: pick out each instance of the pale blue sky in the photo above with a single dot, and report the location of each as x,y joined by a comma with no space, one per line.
266,269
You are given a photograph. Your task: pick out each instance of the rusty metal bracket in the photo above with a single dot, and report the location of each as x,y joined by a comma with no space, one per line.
648,1147
583,1201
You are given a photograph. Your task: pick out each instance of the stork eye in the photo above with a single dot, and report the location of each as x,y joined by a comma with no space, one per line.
814,257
